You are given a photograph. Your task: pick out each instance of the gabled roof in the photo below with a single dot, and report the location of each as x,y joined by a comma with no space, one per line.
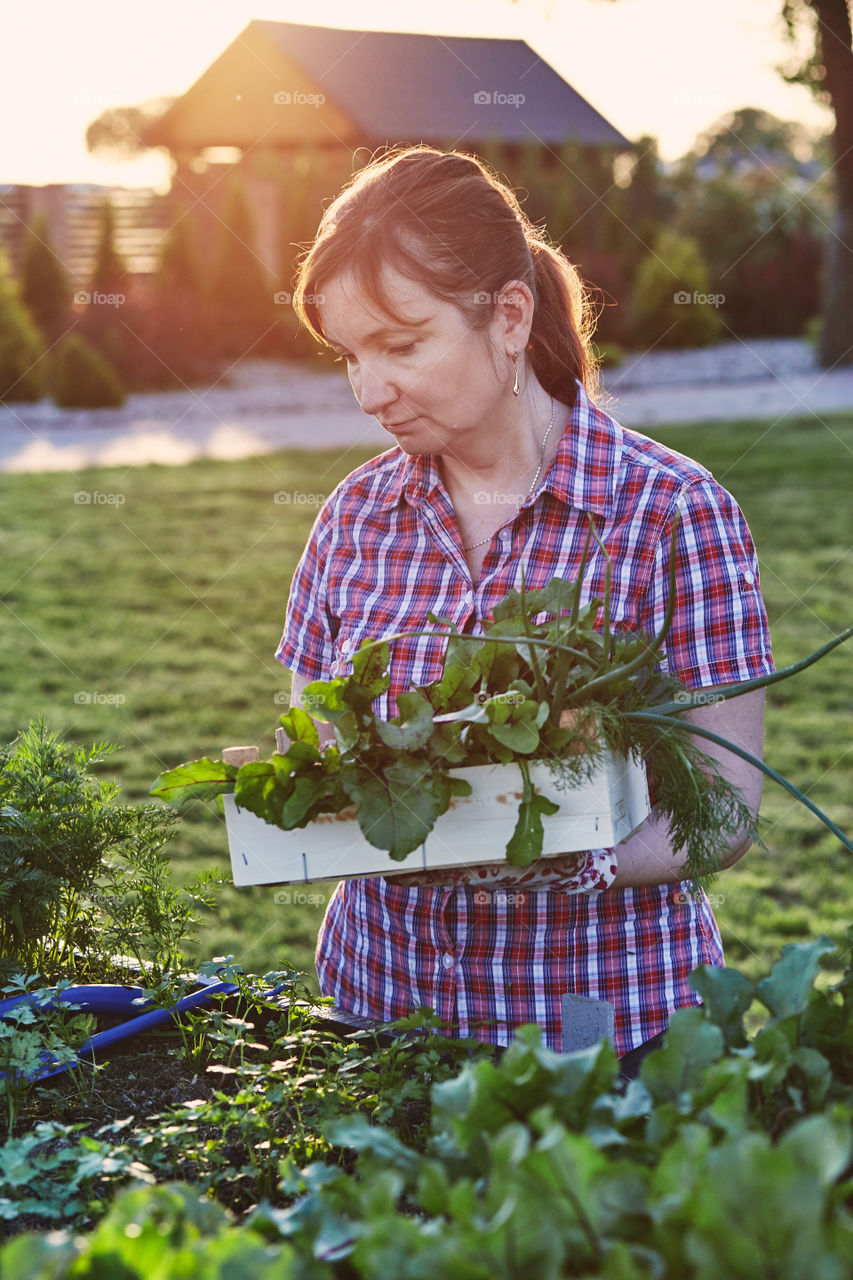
380,87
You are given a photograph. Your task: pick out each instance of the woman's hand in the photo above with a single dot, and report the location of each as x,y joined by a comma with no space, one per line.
584,872
647,856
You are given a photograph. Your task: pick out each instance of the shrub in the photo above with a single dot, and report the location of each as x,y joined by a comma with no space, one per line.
241,294
45,286
83,379
669,303
812,331
179,271
58,826
109,271
21,347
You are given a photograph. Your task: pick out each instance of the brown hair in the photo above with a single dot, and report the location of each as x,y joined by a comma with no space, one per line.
444,220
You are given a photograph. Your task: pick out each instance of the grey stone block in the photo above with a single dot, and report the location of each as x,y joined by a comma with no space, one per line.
585,1021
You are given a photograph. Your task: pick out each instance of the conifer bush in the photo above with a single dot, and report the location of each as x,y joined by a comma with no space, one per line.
21,348
45,284
84,379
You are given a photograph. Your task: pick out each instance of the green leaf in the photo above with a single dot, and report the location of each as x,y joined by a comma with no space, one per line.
255,786
370,666
521,736
298,725
787,988
754,1212
821,1144
303,752
727,995
690,1044
358,1134
327,699
306,792
525,843
411,729
397,808
196,780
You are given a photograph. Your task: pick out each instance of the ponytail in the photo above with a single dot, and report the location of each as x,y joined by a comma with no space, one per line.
560,344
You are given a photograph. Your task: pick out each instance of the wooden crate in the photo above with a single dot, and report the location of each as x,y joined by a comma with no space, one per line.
476,828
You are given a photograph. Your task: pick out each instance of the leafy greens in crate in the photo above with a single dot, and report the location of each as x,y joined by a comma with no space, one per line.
562,691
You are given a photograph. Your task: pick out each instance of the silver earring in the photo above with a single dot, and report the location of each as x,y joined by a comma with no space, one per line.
515,387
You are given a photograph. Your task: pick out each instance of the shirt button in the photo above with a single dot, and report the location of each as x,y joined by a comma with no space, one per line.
748,576
467,598
448,961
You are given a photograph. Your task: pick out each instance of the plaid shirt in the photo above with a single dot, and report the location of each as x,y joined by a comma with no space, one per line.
383,550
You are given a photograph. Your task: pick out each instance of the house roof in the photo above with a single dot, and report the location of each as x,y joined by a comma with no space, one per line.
377,87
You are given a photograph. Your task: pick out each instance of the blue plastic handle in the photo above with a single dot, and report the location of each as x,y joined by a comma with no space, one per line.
118,1000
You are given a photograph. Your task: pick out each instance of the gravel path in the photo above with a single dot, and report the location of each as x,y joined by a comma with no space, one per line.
267,406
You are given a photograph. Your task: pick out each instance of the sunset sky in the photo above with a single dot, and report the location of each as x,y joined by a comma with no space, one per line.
664,67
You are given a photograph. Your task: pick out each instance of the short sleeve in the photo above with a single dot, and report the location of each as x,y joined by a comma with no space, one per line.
719,632
306,643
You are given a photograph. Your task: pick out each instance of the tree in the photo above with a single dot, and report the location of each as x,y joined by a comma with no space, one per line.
109,271
828,72
118,133
45,285
751,139
648,202
242,293
179,274
753,194
21,350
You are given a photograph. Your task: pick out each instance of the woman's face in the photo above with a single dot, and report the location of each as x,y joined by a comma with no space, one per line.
432,382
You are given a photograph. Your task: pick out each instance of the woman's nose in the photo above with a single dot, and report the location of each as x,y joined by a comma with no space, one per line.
373,392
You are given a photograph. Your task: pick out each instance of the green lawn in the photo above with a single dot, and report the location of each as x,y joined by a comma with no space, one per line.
149,617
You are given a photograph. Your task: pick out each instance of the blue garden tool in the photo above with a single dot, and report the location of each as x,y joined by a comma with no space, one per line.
117,1000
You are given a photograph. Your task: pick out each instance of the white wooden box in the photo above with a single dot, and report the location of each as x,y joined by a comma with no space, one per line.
598,814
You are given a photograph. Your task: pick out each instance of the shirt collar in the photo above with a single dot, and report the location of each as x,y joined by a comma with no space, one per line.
583,474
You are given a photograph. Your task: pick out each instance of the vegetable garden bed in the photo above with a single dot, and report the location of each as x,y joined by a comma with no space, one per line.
274,1150
250,1140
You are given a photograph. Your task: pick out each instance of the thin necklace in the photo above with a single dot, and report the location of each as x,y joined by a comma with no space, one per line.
532,487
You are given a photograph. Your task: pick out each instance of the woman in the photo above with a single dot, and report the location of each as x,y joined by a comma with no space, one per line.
468,337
